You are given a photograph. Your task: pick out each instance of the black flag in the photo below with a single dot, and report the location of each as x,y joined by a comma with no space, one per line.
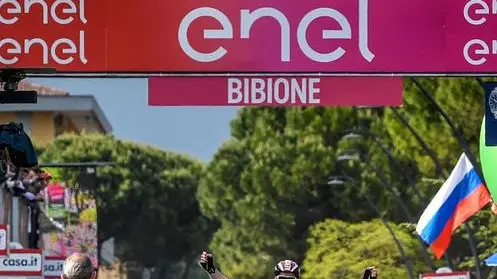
491,113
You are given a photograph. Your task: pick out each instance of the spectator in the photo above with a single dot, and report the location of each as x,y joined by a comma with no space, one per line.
78,266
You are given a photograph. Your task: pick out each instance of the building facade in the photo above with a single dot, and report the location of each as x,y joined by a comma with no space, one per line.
57,112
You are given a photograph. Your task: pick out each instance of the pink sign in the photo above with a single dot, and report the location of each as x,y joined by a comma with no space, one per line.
275,91
318,36
449,275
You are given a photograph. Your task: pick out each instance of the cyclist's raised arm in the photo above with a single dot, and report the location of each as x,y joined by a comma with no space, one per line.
370,273
207,263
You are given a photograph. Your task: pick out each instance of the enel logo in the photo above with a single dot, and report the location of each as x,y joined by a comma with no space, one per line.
248,19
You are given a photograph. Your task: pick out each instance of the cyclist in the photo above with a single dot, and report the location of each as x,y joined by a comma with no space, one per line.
286,269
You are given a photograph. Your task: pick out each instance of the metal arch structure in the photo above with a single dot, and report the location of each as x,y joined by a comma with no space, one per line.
436,46
111,75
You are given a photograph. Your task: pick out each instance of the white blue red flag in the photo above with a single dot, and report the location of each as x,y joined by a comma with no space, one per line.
460,197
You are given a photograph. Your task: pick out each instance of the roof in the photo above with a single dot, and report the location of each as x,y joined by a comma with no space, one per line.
41,89
80,107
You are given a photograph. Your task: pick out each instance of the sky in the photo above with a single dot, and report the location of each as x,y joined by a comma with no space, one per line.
196,131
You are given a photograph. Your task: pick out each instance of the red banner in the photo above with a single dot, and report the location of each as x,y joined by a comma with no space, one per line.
275,91
4,240
22,262
341,36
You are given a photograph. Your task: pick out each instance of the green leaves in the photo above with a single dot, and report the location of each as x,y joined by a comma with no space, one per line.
268,184
343,250
267,187
147,200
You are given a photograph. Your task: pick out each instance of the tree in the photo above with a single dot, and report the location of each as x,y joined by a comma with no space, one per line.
147,201
268,184
461,98
341,250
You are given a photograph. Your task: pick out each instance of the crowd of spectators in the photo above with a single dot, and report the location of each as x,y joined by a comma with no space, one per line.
28,183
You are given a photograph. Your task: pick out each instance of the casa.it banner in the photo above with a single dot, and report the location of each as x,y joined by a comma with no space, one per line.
318,36
53,267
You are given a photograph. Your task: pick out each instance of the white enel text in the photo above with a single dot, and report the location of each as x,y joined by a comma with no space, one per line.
33,44
476,13
248,18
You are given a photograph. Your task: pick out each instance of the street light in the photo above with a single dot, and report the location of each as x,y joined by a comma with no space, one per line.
335,181
383,182
352,136
365,133
347,157
341,180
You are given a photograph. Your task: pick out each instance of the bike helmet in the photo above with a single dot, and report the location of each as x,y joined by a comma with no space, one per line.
287,266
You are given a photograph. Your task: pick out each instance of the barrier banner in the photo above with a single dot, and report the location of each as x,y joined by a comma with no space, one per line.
53,267
4,240
56,201
449,275
22,262
319,36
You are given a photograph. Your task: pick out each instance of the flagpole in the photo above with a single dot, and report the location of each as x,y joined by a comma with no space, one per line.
471,237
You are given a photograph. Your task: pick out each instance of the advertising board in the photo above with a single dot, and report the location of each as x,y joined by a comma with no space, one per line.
53,267
79,218
4,239
275,91
22,262
449,275
249,36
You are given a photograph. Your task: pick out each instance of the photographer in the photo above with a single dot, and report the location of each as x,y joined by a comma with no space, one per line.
286,269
